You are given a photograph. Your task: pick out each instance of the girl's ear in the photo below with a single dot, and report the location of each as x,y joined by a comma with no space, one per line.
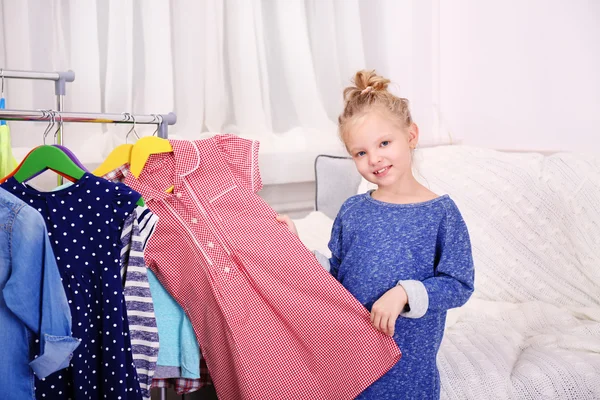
413,135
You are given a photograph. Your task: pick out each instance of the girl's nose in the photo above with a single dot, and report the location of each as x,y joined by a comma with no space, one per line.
374,159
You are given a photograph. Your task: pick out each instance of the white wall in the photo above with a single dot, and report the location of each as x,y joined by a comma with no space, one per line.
520,74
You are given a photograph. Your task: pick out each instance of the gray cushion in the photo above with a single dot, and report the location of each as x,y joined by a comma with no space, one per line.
336,179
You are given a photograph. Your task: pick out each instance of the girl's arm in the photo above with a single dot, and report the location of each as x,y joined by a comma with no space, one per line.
453,280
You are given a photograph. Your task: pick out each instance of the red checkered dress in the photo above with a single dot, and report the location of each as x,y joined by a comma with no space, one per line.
271,322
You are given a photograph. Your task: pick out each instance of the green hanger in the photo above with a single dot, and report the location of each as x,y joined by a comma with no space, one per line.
45,157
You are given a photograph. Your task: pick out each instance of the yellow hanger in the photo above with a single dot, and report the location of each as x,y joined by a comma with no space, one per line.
143,149
120,156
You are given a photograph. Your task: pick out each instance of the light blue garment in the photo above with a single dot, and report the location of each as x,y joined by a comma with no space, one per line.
178,344
33,306
2,107
376,246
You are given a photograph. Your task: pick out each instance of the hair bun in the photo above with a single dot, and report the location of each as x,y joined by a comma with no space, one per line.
366,82
365,79
370,90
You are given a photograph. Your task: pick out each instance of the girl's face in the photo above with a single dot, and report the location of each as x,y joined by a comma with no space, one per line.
381,149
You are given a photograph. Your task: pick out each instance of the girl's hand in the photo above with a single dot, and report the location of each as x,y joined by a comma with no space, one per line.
288,221
386,309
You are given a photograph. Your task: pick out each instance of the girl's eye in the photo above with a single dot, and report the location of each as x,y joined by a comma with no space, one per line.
385,143
360,154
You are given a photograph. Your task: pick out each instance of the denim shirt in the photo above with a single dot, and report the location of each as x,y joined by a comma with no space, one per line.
33,304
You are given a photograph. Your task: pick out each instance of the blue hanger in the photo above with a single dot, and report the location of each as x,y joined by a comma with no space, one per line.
2,101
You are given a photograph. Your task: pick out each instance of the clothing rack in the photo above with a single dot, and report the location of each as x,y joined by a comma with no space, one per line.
60,88
60,79
162,120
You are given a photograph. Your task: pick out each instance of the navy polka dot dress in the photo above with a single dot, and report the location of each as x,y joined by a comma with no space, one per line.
84,227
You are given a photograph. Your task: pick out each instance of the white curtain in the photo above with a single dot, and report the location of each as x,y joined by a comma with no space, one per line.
263,69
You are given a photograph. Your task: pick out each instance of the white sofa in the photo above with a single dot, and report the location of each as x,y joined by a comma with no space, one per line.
532,328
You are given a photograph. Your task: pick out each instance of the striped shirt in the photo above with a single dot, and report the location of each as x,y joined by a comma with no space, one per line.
137,230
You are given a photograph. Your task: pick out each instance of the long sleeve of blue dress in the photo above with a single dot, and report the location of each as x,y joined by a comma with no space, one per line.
452,283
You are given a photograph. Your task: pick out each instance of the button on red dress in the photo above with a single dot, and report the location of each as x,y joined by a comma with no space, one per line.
271,322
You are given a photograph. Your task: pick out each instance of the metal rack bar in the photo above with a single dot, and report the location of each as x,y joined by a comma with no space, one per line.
60,79
163,120
68,76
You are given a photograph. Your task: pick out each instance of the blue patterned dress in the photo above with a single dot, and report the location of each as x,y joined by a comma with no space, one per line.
84,226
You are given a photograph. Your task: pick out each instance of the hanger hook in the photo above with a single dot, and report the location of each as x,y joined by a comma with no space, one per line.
159,118
60,124
126,115
51,122
154,120
132,130
127,119
45,130
53,117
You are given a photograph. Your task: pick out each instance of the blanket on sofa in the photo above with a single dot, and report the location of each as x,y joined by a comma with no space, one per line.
532,328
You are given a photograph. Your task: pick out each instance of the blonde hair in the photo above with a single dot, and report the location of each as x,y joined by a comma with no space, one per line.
370,92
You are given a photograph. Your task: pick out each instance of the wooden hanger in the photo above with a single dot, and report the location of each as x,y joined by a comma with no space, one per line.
56,157
22,161
143,149
120,156
72,156
47,157
50,157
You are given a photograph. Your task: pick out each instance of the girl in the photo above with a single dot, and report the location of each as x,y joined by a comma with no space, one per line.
401,250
